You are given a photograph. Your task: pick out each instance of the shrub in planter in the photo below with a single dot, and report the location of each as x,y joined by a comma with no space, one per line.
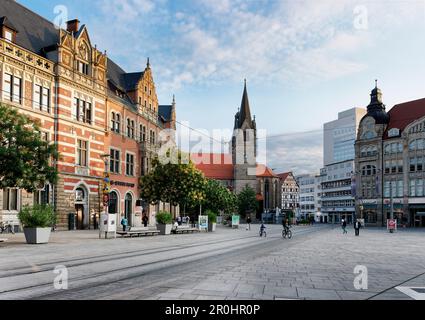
164,222
212,220
37,222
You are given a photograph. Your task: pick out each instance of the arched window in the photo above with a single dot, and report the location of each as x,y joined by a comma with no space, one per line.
130,128
417,144
113,202
113,119
118,123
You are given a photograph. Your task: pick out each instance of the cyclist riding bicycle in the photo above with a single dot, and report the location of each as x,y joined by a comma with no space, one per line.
285,224
262,228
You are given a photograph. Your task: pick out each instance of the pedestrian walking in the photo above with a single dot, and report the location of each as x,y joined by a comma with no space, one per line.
145,220
179,220
248,221
124,223
344,226
357,226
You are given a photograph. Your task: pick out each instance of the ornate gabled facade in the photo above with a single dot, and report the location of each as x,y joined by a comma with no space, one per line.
86,105
389,163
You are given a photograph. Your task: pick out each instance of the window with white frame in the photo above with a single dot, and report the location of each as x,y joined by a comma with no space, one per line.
11,199
129,164
82,110
42,98
130,128
8,35
82,153
115,122
142,133
43,196
83,67
12,89
114,161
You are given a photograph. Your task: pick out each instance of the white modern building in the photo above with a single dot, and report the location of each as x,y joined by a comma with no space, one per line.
308,195
339,137
336,196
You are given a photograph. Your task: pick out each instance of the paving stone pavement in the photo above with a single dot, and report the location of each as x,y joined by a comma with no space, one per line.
318,263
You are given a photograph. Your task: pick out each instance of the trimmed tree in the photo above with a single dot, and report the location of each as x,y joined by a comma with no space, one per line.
218,197
177,182
25,158
247,202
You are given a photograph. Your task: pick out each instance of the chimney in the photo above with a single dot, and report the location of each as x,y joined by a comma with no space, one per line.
73,25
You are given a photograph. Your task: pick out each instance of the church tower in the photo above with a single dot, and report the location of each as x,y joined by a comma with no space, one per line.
244,146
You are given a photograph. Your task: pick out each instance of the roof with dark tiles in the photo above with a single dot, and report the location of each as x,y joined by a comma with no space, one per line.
34,31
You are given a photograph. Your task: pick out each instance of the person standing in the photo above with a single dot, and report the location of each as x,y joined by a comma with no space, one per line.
357,226
248,221
344,226
124,223
145,220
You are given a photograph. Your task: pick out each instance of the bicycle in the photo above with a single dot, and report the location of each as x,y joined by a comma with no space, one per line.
6,227
286,233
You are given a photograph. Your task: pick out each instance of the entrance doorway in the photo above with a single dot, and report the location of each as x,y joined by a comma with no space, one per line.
417,218
128,208
81,208
79,211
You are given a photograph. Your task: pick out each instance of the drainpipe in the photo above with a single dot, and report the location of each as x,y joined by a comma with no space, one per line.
56,137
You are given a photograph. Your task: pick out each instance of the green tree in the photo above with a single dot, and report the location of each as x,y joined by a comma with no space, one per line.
25,158
177,182
218,197
247,202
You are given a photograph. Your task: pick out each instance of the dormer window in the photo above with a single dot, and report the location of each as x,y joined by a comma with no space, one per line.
7,29
8,35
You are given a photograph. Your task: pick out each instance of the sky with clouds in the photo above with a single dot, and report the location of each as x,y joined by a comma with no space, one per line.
304,61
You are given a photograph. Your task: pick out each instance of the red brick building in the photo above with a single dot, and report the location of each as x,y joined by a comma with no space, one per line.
85,104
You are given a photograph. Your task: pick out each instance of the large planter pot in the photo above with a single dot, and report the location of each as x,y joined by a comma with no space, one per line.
211,227
37,235
164,229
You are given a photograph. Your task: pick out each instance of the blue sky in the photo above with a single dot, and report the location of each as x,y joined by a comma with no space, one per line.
304,60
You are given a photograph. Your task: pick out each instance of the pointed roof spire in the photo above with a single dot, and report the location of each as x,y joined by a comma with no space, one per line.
174,99
245,111
376,107
148,65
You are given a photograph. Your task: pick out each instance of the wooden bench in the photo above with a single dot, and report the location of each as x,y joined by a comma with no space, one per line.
181,230
134,232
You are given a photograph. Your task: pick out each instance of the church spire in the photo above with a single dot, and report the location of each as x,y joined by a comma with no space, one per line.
245,111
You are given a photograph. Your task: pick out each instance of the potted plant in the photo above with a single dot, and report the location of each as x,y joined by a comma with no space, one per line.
164,222
37,222
212,220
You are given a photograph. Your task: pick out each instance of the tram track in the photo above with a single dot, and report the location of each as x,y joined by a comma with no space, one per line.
132,271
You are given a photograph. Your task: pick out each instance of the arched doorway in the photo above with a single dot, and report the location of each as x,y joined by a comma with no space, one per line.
81,208
128,208
113,207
